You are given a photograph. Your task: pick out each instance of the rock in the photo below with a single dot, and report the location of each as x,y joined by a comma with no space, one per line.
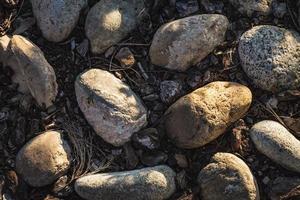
282,186
4,41
153,158
279,9
110,21
276,142
155,183
182,43
227,177
270,56
57,18
170,90
44,159
203,115
214,6
110,106
181,160
248,7
146,139
32,72
125,57
186,7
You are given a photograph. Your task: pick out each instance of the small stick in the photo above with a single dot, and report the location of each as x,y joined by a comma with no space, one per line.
146,77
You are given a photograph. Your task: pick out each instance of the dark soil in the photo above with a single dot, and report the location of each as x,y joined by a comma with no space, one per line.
21,119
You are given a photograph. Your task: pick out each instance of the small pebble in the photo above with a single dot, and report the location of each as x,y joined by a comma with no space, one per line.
170,90
125,57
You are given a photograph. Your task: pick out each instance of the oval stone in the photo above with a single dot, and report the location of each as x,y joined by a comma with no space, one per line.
276,142
32,72
110,21
110,106
203,115
270,56
227,177
44,159
153,183
57,18
182,43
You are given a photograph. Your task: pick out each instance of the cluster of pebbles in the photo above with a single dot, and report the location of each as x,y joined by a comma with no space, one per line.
269,55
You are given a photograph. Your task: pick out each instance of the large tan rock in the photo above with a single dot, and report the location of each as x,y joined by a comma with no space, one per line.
110,21
276,142
32,72
227,177
110,106
203,115
44,159
57,18
152,183
182,43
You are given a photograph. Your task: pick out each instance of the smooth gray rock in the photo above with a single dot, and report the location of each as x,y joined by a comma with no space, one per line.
153,183
182,43
32,72
276,142
270,56
227,177
57,18
44,159
248,7
110,106
110,21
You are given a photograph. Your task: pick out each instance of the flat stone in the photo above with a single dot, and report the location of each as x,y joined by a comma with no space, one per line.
44,159
110,106
227,177
110,21
32,72
153,183
182,43
270,56
249,7
203,115
276,142
57,18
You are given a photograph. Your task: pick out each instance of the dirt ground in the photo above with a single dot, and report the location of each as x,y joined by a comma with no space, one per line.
21,119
